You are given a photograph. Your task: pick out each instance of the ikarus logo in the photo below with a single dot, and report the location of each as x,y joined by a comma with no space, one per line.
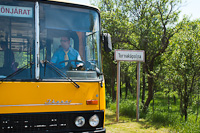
49,101
60,102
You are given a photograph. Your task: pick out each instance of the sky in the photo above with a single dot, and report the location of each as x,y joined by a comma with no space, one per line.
82,1
190,8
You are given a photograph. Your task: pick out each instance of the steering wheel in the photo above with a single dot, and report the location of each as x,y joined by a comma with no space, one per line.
70,66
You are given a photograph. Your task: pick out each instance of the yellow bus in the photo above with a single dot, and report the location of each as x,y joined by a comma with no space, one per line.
44,86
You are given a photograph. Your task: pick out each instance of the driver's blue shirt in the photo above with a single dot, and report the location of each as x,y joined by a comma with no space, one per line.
59,56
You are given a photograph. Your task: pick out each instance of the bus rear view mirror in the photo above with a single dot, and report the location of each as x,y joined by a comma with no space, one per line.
107,42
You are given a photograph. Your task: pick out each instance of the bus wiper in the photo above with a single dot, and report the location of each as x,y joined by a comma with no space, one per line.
58,71
91,33
18,71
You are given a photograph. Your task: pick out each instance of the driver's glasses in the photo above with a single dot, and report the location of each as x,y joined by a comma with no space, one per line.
64,41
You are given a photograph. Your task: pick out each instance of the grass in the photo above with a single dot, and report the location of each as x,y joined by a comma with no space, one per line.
129,125
163,118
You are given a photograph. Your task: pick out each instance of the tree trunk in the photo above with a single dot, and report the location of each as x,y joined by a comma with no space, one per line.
144,85
113,77
174,96
108,86
185,112
153,104
126,90
127,82
128,85
197,106
181,103
168,98
150,93
185,100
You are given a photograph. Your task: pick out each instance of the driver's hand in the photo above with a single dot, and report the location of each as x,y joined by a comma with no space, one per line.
42,62
79,65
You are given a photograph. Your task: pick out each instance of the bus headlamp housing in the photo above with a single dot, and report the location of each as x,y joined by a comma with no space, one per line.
94,121
80,121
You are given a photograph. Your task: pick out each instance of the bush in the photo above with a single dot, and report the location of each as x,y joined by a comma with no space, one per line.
126,108
108,101
190,126
164,118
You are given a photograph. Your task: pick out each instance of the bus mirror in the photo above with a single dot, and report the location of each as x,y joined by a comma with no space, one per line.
107,42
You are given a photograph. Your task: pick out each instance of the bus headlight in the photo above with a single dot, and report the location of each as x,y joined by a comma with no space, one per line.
80,121
94,121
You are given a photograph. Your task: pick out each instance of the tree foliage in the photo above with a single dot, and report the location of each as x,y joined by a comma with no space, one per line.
184,63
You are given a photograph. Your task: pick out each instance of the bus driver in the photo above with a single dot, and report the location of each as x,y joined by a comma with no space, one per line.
66,53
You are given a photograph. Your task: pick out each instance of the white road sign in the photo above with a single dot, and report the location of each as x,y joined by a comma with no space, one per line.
129,55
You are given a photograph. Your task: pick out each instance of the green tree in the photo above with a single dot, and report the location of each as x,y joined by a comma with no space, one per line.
141,25
184,64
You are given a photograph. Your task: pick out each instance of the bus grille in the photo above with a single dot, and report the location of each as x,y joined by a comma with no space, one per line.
47,122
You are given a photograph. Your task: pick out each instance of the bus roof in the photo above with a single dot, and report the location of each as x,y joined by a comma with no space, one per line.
76,3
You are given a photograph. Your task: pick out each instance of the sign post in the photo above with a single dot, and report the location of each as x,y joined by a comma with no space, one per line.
128,55
138,90
118,90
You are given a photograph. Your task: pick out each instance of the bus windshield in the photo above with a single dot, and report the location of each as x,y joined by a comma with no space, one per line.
69,42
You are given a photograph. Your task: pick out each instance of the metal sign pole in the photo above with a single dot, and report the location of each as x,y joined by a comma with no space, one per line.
138,90
118,90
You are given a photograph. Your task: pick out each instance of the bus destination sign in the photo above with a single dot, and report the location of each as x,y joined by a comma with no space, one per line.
129,55
16,11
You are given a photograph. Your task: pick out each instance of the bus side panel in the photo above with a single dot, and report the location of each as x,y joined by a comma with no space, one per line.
103,100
